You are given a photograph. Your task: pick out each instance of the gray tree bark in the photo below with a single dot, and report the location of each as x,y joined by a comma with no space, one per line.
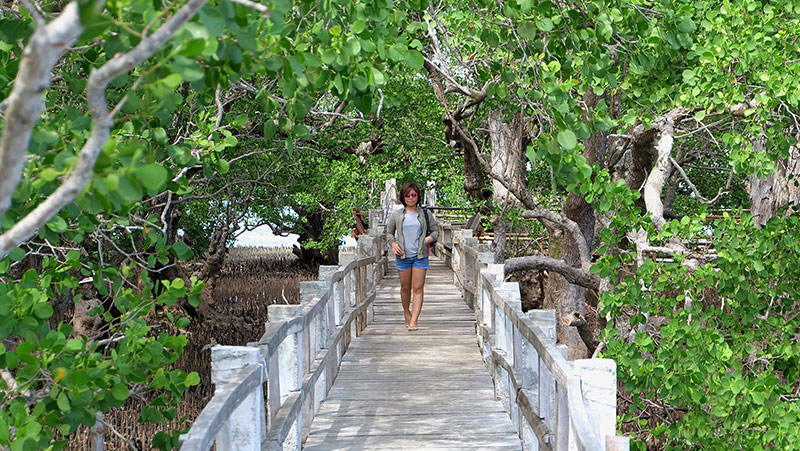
769,194
507,161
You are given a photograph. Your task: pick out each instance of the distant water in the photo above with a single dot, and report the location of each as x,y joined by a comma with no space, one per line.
263,237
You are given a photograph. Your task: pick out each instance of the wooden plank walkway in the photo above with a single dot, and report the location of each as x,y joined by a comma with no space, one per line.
401,390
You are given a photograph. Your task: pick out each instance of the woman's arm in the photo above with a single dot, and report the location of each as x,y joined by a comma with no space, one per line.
433,226
390,229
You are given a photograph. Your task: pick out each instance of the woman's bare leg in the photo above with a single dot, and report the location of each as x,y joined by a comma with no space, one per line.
418,286
405,293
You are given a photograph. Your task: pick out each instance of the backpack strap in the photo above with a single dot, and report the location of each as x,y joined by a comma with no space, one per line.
427,227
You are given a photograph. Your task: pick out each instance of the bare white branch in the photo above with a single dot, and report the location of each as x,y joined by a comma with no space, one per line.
720,193
47,45
257,6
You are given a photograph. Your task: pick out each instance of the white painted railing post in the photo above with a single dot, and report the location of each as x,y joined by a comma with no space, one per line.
96,433
484,305
247,427
546,320
377,230
288,363
504,337
530,386
312,340
368,247
599,393
458,263
562,410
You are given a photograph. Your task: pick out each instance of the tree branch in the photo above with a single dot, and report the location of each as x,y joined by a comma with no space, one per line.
694,189
657,177
574,275
47,45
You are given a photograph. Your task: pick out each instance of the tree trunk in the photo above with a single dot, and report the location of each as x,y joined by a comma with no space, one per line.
508,155
313,229
560,295
507,162
568,299
769,194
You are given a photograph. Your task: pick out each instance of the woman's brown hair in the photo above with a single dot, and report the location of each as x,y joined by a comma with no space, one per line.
407,188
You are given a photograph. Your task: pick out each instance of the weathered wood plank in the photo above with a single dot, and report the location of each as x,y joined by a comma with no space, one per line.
430,424
400,407
498,442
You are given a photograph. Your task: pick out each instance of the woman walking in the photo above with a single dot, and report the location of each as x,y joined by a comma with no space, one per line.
409,233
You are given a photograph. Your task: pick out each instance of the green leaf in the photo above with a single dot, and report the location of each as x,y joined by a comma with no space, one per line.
567,139
120,392
212,18
380,80
152,176
16,254
172,80
43,310
57,224
193,47
182,250
223,166
527,30
358,26
686,25
415,59
63,402
73,345
328,56
192,379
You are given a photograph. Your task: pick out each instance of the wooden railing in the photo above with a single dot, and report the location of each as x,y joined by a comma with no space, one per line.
295,361
554,404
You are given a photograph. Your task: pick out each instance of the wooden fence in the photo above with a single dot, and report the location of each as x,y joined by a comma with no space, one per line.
554,404
294,363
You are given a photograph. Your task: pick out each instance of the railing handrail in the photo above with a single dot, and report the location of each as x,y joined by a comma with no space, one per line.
500,327
333,311
209,423
277,332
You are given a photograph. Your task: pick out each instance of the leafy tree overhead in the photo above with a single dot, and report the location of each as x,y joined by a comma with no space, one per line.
636,108
634,117
93,172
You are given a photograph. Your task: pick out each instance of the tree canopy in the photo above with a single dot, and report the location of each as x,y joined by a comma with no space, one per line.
137,134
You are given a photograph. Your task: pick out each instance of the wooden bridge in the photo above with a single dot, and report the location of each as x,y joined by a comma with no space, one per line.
411,390
340,371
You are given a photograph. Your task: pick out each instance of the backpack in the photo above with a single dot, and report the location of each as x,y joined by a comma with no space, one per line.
427,227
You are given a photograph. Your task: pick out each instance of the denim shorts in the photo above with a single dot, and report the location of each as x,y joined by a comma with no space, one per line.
411,262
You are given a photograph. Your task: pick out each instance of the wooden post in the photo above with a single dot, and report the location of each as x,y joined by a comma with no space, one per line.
248,426
617,443
311,338
289,352
96,433
562,410
368,247
337,301
599,390
326,273
546,320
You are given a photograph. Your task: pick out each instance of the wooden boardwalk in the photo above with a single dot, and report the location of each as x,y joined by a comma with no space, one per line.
401,390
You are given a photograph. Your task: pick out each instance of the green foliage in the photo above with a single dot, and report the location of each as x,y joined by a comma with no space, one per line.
723,368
